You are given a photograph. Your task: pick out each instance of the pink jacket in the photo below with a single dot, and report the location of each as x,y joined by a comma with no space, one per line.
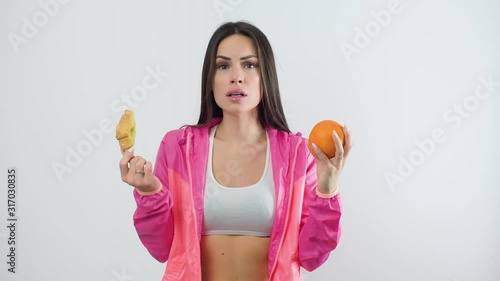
306,226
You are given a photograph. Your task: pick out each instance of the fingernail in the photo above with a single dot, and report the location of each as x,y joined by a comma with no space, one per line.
315,146
346,128
335,134
131,149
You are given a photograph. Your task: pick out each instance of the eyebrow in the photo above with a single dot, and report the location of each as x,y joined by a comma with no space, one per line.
242,58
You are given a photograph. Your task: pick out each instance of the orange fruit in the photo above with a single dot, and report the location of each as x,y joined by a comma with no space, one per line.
321,135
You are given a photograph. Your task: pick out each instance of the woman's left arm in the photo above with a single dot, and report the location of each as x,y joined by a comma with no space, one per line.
320,224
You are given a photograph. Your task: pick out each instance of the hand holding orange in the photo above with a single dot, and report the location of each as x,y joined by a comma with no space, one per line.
321,135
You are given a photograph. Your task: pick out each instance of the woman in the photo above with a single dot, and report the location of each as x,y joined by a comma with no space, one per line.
237,196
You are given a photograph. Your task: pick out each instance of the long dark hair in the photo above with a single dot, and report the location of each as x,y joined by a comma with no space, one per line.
270,109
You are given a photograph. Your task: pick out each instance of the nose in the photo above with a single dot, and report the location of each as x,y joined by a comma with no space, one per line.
237,76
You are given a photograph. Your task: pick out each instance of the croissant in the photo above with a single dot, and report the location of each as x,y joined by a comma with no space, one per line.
125,130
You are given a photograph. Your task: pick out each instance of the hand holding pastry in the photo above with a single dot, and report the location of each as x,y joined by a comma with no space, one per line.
138,172
134,170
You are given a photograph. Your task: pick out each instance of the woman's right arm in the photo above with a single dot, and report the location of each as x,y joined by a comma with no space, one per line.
153,221
152,218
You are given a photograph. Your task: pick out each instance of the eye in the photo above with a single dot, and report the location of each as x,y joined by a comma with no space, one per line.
222,66
250,65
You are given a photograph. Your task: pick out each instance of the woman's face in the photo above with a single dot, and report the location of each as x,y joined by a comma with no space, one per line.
237,81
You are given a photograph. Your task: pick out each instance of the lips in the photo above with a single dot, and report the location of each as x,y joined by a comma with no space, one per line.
236,95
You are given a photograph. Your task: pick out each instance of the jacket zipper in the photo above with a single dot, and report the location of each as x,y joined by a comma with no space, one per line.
288,209
188,162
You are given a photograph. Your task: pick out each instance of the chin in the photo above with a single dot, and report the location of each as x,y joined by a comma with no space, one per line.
240,110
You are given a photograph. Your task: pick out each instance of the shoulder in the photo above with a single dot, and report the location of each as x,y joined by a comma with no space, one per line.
180,136
173,136
286,136
289,142
293,148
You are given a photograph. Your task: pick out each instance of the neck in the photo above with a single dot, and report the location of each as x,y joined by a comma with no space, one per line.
240,129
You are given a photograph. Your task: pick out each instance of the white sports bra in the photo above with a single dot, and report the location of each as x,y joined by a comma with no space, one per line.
245,210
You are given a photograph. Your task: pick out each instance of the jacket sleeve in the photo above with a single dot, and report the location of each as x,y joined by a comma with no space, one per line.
152,218
320,222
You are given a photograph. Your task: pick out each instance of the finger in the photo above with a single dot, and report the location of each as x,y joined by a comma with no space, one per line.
348,141
139,166
339,149
148,169
132,149
320,155
149,177
124,163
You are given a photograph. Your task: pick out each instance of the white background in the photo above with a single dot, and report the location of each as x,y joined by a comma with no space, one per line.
440,222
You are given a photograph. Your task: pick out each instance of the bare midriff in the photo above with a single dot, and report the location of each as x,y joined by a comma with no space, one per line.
234,258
